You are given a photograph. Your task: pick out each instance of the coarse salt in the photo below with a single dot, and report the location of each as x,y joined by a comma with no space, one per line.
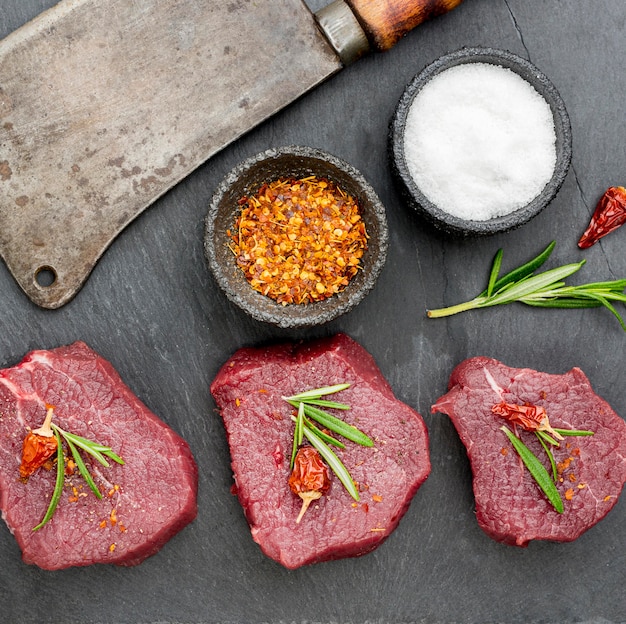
480,141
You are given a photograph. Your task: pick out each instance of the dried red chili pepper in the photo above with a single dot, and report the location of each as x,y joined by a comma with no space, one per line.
39,446
36,451
529,417
609,214
309,478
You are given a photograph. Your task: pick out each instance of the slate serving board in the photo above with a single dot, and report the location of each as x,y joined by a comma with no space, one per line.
154,311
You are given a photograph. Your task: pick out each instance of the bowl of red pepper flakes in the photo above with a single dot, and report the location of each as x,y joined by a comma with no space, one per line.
295,236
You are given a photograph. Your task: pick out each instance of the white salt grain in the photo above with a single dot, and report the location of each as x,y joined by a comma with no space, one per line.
480,141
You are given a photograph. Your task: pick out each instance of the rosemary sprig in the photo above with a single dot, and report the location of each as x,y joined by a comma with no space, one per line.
58,485
74,443
89,446
309,406
546,289
323,435
332,422
546,483
334,462
536,469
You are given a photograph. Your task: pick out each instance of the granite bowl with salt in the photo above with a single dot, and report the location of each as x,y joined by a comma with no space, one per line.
480,142
292,162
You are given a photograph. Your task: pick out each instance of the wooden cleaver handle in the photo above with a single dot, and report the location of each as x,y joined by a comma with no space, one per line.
387,21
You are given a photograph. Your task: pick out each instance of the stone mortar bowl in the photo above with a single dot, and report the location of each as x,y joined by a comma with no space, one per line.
441,220
297,162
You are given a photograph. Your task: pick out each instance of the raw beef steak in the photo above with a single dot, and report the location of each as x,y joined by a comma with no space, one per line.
248,391
510,507
145,501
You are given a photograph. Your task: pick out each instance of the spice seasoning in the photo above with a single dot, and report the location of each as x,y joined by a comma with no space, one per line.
299,240
309,478
609,214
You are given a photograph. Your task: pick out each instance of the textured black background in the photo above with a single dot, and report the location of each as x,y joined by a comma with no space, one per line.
152,309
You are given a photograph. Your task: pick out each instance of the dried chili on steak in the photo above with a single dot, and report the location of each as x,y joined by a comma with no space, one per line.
529,417
38,447
36,451
299,240
309,478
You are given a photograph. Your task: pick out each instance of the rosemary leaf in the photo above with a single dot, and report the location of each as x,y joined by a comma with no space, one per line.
323,435
83,469
563,302
574,432
524,270
547,438
495,270
83,443
542,441
95,449
537,470
337,425
534,283
320,434
300,424
328,404
617,285
334,462
297,435
58,485
114,456
613,311
579,297
318,393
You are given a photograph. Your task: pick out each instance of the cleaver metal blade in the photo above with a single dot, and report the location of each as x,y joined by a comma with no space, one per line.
104,106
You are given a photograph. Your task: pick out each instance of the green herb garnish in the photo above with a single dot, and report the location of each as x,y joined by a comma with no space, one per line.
535,419
536,469
58,486
309,405
547,289
74,443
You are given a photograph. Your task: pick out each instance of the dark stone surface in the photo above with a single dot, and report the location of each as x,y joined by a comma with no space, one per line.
152,308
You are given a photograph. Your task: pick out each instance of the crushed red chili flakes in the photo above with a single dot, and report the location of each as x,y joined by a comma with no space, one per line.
299,240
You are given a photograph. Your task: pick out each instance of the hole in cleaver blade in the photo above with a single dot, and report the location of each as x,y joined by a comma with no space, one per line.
105,106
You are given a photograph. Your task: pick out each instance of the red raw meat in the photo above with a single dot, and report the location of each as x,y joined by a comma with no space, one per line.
510,507
145,502
248,391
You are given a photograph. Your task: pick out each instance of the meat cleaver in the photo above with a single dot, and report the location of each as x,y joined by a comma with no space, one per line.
104,106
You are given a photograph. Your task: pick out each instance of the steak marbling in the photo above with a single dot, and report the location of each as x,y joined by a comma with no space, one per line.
248,391
145,501
510,507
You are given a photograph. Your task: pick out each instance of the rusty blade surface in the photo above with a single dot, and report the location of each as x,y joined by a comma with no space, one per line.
104,106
